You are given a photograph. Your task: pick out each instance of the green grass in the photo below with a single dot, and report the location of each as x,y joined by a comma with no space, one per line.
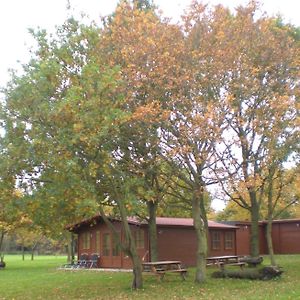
40,279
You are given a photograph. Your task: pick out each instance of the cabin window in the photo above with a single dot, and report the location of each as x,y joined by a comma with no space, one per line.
140,238
116,246
86,240
98,241
229,240
106,244
216,240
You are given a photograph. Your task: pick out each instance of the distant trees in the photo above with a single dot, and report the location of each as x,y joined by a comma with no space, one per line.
127,116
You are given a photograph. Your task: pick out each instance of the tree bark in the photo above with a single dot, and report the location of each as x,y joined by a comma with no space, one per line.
23,252
152,207
72,248
1,244
69,247
254,237
137,282
33,248
270,242
270,217
201,236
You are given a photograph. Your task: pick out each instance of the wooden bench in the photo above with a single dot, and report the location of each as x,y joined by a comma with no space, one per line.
182,272
160,268
161,273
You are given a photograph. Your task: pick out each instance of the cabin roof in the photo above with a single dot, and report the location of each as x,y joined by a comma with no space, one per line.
163,221
160,221
262,222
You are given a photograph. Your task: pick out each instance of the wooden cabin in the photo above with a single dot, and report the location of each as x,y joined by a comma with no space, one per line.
176,240
285,236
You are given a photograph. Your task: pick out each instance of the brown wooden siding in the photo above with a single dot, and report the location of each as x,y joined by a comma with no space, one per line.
175,243
243,240
110,259
286,237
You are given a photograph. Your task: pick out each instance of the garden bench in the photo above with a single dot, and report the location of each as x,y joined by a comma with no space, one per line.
160,268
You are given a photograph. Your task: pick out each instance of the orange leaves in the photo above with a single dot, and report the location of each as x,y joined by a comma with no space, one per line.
150,113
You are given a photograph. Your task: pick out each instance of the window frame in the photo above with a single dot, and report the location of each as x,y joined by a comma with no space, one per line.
106,244
98,241
116,249
230,240
86,240
140,238
216,242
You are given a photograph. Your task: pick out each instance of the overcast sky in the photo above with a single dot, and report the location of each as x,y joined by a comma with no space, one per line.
16,16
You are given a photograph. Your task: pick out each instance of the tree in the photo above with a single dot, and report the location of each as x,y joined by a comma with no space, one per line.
260,104
11,214
145,47
64,113
195,124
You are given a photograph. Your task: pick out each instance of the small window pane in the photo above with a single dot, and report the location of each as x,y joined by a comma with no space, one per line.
98,241
229,240
140,239
86,240
106,244
116,247
216,240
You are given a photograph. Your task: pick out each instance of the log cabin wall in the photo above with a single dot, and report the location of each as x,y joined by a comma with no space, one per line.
286,236
97,238
179,243
177,240
243,239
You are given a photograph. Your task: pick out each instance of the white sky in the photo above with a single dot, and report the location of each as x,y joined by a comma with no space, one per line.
16,16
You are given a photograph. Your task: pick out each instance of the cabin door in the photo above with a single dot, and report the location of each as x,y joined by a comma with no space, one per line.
115,253
110,254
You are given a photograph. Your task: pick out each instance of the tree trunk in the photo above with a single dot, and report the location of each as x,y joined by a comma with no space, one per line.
1,244
137,282
270,242
23,252
254,237
72,248
152,207
201,236
33,249
270,217
69,248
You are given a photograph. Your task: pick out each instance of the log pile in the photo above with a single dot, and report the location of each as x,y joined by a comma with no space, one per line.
252,261
265,273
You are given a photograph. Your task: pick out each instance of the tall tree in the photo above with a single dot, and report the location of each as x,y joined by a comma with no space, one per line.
260,104
64,113
145,47
194,126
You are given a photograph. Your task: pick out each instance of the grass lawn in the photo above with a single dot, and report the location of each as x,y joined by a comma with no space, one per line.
40,279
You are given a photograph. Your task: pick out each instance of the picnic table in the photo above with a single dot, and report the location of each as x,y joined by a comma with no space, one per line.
221,261
160,268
